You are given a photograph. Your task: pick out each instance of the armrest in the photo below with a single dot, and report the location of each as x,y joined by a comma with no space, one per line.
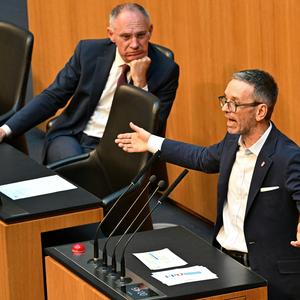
109,200
57,164
50,123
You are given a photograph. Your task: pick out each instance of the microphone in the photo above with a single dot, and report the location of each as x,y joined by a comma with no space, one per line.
130,186
160,186
154,157
104,251
159,201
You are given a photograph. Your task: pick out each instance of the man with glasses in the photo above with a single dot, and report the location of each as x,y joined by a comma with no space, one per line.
259,181
91,77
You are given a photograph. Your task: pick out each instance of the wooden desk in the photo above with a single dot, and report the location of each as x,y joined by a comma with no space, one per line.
71,277
23,221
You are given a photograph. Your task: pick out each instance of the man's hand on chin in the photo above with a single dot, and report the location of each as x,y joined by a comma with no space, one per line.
138,71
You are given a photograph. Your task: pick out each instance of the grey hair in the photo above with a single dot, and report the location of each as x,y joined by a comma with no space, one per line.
265,87
127,6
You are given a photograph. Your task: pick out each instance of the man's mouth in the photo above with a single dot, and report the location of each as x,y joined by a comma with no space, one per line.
137,53
230,122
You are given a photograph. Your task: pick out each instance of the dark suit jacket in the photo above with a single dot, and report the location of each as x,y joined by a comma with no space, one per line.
84,78
271,217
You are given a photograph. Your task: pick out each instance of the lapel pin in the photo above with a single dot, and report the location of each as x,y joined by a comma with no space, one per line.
262,164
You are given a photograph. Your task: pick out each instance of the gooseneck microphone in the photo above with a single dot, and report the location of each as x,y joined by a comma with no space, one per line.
160,186
130,186
159,201
104,251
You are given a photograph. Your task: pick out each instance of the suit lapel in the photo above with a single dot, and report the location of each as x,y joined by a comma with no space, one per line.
154,70
262,166
100,76
231,148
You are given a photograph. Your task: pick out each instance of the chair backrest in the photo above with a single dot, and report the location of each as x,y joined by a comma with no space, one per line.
166,51
15,58
108,168
160,168
129,104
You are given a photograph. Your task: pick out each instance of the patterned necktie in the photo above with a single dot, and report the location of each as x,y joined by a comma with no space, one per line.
123,77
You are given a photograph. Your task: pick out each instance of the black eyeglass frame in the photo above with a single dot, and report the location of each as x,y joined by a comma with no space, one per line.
223,101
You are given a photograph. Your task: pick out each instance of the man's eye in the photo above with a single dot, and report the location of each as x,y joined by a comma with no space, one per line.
125,37
140,35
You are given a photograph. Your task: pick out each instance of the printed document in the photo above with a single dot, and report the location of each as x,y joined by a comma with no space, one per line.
184,275
36,187
160,259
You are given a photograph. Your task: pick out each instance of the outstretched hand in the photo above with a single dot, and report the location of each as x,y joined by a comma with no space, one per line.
136,141
297,242
2,134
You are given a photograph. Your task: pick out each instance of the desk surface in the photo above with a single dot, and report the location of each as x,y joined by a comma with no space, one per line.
16,166
232,276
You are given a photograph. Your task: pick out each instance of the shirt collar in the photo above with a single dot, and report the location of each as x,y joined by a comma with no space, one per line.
118,59
256,147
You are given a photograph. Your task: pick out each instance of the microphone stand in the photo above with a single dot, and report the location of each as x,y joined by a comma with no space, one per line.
161,184
123,280
133,182
104,252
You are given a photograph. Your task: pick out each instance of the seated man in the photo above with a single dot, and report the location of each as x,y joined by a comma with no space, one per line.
90,77
258,214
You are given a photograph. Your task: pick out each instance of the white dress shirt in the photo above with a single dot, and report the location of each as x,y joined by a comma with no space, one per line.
96,125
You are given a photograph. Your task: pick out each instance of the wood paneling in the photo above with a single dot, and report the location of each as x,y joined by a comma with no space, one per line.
211,39
21,259
251,294
63,284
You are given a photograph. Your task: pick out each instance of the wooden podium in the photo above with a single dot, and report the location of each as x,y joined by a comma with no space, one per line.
63,284
69,277
23,221
21,259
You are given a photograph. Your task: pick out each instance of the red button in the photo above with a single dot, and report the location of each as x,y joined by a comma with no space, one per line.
78,248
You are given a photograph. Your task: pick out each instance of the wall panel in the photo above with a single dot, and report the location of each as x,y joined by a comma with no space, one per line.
211,39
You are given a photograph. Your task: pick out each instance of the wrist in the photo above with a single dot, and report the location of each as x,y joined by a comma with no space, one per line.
140,83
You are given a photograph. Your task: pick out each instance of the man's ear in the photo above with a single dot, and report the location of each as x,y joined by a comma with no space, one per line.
261,111
150,30
111,34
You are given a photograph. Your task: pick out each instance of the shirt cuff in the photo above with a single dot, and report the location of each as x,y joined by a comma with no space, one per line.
155,143
6,129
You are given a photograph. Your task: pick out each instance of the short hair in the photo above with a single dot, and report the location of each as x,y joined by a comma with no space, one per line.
127,6
265,87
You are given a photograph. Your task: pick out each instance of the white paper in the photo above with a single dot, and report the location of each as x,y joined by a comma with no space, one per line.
36,187
184,275
160,259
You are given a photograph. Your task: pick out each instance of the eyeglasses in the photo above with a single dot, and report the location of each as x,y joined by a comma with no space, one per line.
232,106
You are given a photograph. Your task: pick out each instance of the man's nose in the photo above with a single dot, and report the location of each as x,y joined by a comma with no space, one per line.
134,43
225,108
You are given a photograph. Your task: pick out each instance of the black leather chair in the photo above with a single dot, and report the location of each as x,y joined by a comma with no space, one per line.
15,58
107,170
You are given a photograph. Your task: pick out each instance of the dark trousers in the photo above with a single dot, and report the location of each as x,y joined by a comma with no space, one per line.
65,146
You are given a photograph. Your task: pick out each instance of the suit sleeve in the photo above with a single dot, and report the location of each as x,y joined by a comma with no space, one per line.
46,104
293,178
205,159
163,83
